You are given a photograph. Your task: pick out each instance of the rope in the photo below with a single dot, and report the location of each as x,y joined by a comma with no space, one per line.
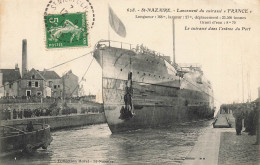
82,77
70,60
52,67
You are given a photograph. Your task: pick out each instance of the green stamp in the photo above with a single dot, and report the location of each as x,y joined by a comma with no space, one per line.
66,30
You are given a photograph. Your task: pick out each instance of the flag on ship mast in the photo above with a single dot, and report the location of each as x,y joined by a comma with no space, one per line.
116,24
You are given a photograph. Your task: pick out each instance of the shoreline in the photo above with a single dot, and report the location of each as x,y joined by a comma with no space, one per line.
223,146
63,121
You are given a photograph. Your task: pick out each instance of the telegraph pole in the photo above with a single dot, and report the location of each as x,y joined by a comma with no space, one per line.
63,87
248,87
242,78
258,121
173,41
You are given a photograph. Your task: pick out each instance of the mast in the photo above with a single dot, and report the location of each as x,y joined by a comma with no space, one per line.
108,31
173,41
248,87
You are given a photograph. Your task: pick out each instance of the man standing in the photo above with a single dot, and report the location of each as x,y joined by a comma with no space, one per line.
238,120
252,122
246,121
29,127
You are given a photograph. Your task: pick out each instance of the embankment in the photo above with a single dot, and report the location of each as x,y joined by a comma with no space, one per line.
63,121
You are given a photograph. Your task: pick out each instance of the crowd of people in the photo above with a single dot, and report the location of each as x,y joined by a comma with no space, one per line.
47,99
26,99
29,113
9,114
248,114
91,110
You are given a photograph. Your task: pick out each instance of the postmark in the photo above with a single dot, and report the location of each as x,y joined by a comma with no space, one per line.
58,34
66,30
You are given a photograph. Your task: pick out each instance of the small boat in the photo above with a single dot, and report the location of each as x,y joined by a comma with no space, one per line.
24,137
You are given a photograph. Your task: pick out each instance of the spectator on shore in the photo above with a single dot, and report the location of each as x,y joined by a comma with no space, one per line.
5,112
252,122
2,114
8,114
29,127
246,121
238,120
20,114
14,114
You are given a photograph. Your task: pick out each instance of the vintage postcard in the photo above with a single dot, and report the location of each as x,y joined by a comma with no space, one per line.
129,82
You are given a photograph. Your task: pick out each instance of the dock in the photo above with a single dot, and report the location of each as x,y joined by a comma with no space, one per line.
62,121
222,121
221,145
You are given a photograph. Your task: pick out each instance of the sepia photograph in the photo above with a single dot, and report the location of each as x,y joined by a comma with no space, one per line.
129,82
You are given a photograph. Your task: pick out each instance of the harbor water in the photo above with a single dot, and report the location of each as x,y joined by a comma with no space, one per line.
95,144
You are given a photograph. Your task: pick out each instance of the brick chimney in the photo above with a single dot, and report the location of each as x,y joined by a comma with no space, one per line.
2,93
1,79
258,92
24,57
16,67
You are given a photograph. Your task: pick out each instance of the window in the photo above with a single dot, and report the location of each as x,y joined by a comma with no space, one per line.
39,93
28,92
50,83
55,86
10,85
33,76
36,84
29,83
58,86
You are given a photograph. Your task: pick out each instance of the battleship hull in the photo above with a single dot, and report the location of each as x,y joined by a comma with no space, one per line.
148,87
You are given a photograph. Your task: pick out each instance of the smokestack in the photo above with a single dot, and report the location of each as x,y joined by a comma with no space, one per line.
1,85
259,92
16,67
24,57
1,80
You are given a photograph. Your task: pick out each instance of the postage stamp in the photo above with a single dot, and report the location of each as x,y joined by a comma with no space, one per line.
72,6
66,30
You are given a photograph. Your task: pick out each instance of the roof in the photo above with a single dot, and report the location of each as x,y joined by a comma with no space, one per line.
257,100
69,73
35,73
49,74
39,75
10,75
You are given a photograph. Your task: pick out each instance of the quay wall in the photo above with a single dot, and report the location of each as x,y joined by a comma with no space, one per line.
47,105
64,121
25,105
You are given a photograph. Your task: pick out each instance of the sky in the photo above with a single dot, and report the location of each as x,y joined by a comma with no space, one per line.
221,53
